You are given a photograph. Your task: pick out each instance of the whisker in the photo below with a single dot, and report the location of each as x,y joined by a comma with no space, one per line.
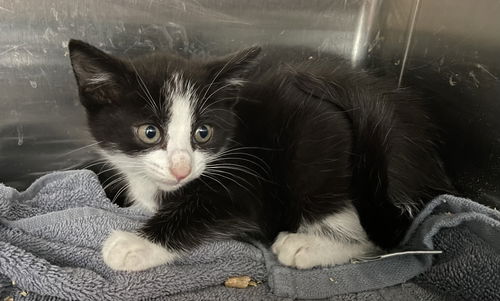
209,175
145,90
237,167
217,75
212,94
80,148
203,103
223,155
253,148
117,178
265,170
105,170
204,109
225,110
218,173
93,163
117,195
148,104
231,174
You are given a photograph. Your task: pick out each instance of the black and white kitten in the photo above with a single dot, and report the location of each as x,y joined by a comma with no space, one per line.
288,146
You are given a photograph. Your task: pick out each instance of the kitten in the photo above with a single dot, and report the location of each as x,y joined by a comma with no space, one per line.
286,145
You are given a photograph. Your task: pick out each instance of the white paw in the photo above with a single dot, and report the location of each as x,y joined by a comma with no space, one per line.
125,251
305,251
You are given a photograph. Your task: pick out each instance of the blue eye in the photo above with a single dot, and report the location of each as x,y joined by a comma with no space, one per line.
203,133
148,133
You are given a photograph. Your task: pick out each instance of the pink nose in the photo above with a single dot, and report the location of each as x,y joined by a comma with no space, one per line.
180,164
180,173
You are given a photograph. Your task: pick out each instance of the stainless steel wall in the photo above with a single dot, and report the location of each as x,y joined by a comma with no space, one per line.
42,123
448,47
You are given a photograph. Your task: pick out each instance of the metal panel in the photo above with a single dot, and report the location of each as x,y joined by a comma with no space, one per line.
450,48
447,47
42,123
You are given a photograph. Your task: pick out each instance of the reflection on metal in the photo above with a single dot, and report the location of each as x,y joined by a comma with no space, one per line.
411,29
364,32
42,125
454,55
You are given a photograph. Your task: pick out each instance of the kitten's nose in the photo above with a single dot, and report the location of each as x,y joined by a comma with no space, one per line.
180,164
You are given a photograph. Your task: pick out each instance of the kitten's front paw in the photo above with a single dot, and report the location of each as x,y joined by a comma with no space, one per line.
305,251
125,251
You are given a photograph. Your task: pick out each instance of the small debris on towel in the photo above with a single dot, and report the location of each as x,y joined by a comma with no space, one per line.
240,282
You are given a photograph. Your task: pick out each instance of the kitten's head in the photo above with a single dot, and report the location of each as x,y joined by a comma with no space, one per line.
159,118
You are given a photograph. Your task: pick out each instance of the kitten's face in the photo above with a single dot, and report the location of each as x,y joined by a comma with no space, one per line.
159,119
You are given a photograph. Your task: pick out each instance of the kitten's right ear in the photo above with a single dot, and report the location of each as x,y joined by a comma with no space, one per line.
100,77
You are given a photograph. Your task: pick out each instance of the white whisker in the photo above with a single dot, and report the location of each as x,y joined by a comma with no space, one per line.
209,175
123,189
217,76
116,180
212,94
228,158
218,173
231,174
81,148
155,108
237,167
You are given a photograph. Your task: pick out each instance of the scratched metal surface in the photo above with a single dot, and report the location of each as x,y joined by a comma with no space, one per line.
448,47
42,124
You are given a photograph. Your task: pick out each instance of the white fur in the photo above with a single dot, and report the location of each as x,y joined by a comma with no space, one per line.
181,96
99,79
144,193
236,82
150,173
409,207
345,223
125,251
311,247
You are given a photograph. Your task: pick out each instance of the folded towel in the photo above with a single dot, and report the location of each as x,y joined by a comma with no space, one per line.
50,238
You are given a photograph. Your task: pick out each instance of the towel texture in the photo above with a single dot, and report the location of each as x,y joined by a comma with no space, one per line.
50,238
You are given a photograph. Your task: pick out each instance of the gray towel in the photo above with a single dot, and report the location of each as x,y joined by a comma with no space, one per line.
50,237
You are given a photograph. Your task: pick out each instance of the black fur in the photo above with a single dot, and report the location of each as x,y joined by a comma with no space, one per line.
313,133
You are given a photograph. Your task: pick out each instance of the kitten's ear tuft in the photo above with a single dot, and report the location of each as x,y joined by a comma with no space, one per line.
99,75
234,67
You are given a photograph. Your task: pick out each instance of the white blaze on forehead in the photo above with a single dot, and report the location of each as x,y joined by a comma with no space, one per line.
181,96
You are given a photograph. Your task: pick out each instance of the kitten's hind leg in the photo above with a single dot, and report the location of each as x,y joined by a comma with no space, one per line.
335,239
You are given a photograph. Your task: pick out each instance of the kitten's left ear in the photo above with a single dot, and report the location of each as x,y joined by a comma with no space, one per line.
234,67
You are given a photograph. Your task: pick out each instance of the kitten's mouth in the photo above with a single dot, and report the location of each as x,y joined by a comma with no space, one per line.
169,185
169,182
166,183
